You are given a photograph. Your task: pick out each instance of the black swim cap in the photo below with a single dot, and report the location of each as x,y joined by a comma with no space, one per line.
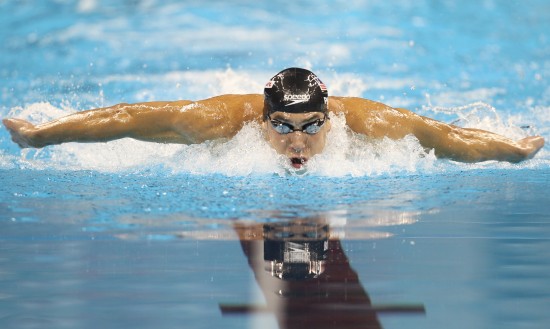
295,90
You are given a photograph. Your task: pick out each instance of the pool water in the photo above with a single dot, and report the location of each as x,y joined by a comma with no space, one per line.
134,234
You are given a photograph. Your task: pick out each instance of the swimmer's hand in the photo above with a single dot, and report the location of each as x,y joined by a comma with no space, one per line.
22,132
529,146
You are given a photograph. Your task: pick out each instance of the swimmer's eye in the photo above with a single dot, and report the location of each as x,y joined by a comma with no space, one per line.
310,128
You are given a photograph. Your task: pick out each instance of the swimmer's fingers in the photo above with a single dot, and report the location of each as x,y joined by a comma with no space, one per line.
531,145
21,131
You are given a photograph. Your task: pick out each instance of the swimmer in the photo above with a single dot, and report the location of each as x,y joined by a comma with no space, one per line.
294,113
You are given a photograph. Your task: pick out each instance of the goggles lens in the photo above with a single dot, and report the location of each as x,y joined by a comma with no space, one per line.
310,128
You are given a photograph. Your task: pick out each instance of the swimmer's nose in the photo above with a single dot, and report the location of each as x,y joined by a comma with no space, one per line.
297,141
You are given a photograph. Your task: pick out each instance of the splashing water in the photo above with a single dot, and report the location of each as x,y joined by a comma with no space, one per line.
346,153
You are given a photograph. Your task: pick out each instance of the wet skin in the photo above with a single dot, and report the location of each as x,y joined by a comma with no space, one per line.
298,146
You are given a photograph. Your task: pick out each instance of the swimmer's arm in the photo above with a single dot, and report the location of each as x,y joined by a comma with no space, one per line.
471,145
183,122
448,141
145,121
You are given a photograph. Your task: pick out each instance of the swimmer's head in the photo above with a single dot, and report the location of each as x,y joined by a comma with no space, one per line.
296,121
295,90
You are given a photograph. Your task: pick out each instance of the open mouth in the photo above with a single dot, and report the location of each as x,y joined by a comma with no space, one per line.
298,162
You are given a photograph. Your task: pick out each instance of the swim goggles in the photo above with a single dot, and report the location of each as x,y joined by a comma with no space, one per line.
310,128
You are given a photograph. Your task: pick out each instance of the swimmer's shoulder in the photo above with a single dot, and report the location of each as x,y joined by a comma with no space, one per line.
245,107
229,99
349,105
364,116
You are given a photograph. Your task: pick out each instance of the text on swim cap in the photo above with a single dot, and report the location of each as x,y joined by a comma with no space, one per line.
304,97
295,99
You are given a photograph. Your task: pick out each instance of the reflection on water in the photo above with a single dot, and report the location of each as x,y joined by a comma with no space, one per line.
59,275
306,277
474,262
298,263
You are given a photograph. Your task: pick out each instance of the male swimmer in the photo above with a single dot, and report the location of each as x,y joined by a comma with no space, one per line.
293,112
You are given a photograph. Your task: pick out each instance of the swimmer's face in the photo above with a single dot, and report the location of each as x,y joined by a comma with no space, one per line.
299,136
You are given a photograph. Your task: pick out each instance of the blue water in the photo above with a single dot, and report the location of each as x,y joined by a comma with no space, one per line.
133,234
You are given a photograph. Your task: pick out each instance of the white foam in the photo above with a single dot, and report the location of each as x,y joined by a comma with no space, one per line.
247,153
7,161
348,153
